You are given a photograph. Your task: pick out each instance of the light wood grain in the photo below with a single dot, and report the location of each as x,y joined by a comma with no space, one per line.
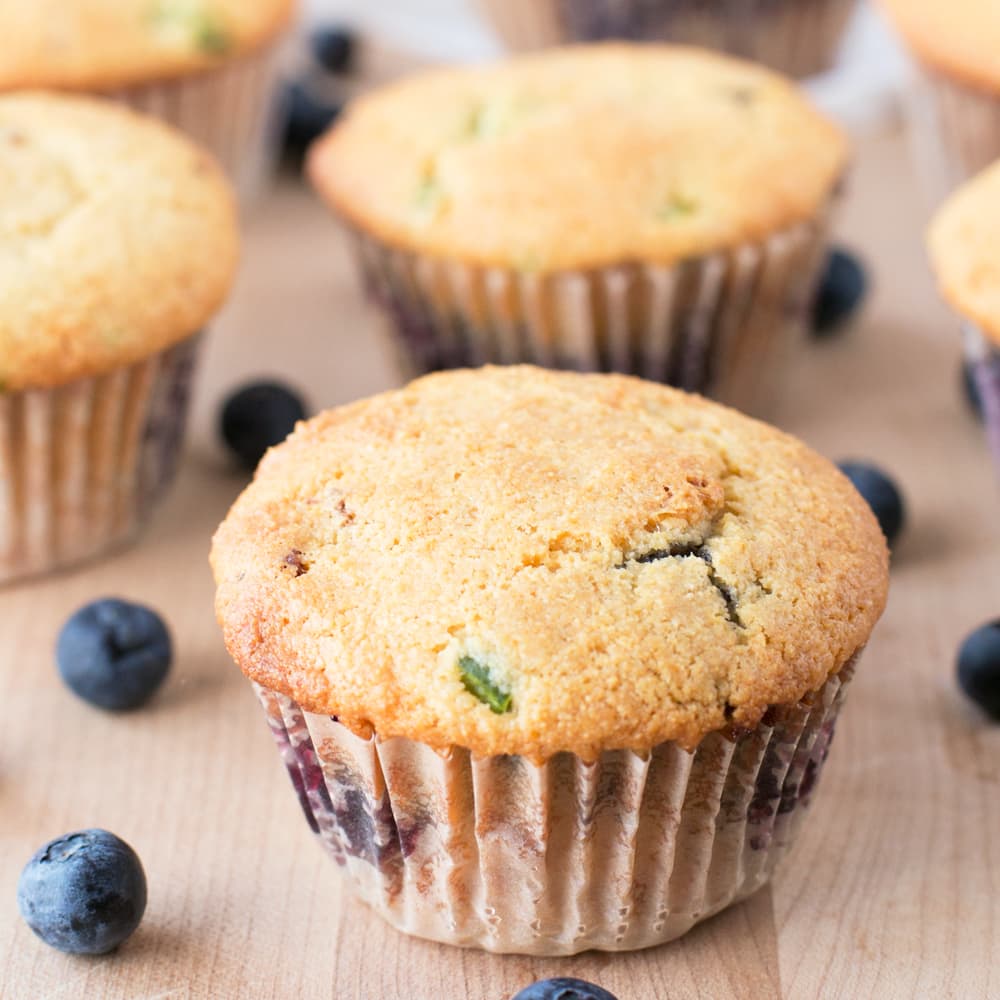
892,890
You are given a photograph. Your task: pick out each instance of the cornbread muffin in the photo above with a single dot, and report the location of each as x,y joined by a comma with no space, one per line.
118,242
207,66
956,45
588,208
797,37
963,242
531,641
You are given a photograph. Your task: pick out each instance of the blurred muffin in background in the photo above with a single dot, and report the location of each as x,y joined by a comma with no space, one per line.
957,104
796,37
964,244
653,210
118,243
207,66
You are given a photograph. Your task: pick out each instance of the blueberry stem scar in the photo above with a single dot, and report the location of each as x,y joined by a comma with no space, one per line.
480,684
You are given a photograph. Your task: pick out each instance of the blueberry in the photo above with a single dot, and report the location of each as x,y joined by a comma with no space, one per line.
258,416
309,115
882,494
979,667
333,48
970,389
563,989
84,893
114,654
841,290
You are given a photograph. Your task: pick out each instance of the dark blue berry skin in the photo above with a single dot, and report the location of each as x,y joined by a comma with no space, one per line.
882,494
114,654
333,48
842,289
563,989
979,668
84,893
257,417
970,389
309,115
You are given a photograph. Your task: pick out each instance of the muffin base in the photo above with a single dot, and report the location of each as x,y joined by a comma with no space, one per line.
797,37
233,111
985,361
499,853
709,324
956,129
82,465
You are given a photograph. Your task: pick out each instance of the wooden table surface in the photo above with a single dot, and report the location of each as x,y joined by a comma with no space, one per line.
892,891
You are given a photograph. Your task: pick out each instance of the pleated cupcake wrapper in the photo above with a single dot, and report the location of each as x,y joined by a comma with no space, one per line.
233,111
984,359
82,465
955,129
709,324
509,856
796,37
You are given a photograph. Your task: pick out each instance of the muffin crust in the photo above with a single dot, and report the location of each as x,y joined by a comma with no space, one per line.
92,45
963,247
960,39
118,238
631,563
581,157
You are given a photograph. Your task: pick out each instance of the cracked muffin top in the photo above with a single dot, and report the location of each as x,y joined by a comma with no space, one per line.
962,241
960,38
520,561
118,238
583,156
103,44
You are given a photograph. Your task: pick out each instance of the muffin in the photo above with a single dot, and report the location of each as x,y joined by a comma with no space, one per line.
207,66
957,103
118,243
553,659
963,242
797,37
651,210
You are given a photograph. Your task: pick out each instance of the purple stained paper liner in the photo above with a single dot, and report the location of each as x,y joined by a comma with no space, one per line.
796,37
83,465
985,361
710,324
233,111
552,859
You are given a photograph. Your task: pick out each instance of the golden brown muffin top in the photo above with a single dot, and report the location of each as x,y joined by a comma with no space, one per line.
582,156
960,37
963,241
118,238
103,44
522,561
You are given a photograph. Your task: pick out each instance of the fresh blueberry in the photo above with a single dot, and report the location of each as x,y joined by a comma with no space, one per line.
841,290
84,893
970,389
563,989
979,667
309,115
257,417
114,654
334,48
882,494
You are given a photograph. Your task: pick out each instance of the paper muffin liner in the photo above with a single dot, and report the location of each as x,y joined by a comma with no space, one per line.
710,324
82,465
984,359
552,859
796,37
955,129
233,111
